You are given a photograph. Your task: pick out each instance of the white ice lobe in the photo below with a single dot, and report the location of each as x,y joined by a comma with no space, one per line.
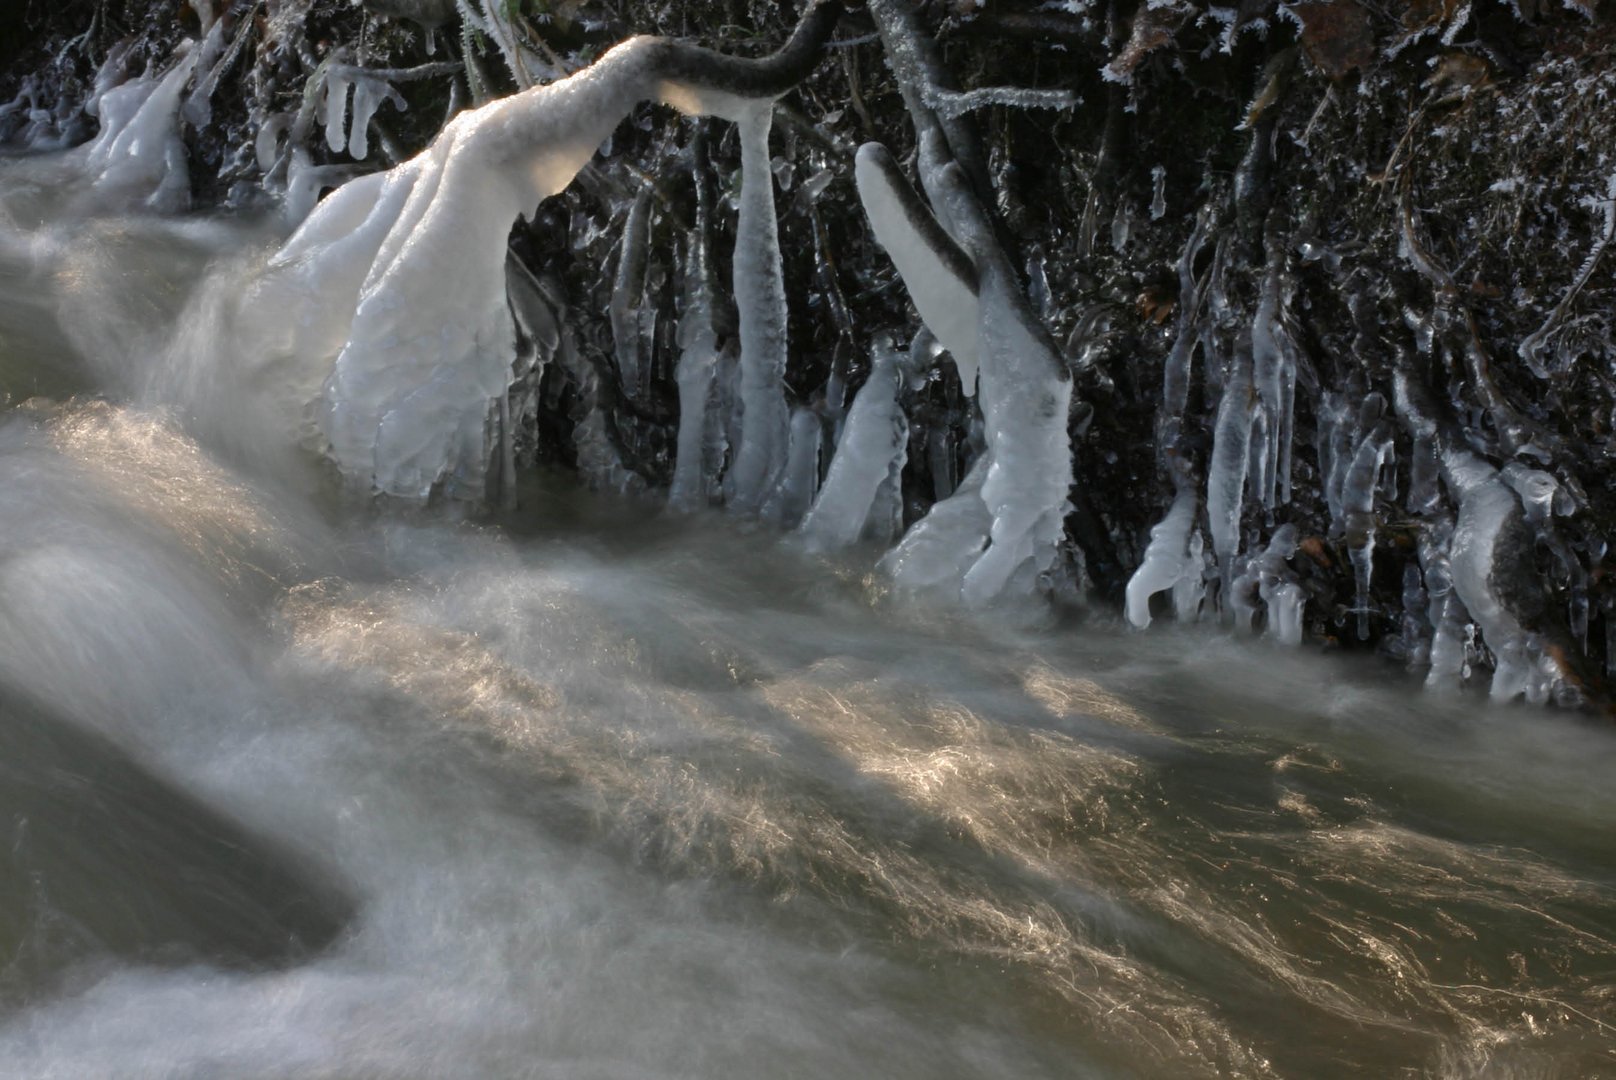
137,157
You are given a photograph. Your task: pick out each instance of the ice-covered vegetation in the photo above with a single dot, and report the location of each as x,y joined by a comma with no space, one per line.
1296,357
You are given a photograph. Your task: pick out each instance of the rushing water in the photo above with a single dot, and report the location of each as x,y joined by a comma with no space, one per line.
293,787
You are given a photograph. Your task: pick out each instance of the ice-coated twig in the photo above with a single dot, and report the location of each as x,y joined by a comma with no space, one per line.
948,104
1535,344
939,276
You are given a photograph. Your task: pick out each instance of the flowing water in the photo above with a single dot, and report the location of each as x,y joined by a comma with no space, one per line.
295,787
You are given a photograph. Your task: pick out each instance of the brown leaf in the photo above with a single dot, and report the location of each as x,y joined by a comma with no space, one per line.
1336,36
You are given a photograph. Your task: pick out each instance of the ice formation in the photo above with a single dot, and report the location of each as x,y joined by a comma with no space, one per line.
760,297
870,455
1231,455
629,314
1025,395
1168,559
1483,572
403,338
137,157
940,278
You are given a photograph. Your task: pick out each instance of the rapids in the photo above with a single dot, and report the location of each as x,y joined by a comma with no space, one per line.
298,787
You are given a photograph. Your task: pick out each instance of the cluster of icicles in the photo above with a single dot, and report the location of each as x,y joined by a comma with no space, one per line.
393,325
1465,560
405,343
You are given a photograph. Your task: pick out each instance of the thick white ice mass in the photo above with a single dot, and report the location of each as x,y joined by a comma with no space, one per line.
137,158
387,311
1025,394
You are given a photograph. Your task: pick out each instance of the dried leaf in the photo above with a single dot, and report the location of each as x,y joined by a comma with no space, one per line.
1336,36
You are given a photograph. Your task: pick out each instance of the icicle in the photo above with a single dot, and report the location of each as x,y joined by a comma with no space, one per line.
1282,597
789,502
1226,475
1273,362
198,109
1358,507
335,117
1158,193
368,96
875,437
760,298
266,146
1176,370
1240,598
628,289
1423,495
1167,560
1189,591
698,359
939,277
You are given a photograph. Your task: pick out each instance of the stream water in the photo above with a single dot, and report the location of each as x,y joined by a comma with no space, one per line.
295,787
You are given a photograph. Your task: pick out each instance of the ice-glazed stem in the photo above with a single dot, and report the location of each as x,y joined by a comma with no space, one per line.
940,278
